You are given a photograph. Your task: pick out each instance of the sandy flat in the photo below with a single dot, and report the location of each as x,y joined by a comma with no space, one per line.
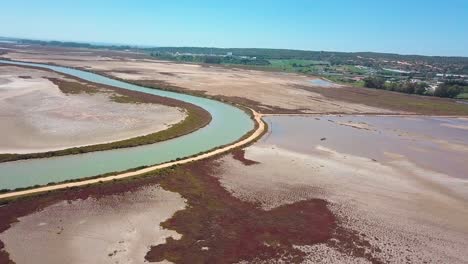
113,229
268,88
409,211
464,127
36,116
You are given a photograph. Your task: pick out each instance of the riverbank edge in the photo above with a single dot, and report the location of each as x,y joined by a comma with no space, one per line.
252,136
196,118
259,130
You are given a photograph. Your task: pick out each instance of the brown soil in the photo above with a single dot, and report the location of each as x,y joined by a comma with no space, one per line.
426,105
72,87
217,227
257,106
168,73
89,87
342,100
4,257
398,102
115,54
239,154
163,85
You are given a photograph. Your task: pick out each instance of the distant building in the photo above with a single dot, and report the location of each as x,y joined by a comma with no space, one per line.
432,87
452,75
358,78
397,71
229,54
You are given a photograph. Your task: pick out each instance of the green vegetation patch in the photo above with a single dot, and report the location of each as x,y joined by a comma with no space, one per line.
462,96
449,89
297,65
426,105
194,120
74,87
124,99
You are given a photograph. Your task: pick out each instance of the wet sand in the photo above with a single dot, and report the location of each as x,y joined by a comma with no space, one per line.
118,228
436,144
37,116
383,179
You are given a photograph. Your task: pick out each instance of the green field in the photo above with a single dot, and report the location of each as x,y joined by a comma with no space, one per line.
462,96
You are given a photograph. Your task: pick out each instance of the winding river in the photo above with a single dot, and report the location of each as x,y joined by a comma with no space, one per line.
228,124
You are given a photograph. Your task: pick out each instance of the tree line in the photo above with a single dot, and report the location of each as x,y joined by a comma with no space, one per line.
448,89
211,59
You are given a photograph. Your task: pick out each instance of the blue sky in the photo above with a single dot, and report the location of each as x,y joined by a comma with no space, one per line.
409,27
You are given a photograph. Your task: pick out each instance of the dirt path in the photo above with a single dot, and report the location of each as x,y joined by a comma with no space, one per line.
368,114
260,128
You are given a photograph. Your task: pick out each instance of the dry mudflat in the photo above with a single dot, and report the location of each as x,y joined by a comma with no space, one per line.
38,116
314,189
117,228
399,182
394,193
265,91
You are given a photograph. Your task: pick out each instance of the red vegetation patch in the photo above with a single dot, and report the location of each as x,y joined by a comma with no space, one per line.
239,154
4,258
235,234
216,227
219,228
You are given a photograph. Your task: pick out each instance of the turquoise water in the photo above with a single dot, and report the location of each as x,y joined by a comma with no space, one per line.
228,125
322,83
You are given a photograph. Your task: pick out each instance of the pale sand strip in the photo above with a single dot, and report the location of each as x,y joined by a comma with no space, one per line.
258,132
368,114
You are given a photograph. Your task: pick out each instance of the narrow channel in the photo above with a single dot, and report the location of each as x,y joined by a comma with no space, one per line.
228,124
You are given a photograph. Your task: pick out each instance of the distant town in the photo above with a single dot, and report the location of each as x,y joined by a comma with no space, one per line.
412,74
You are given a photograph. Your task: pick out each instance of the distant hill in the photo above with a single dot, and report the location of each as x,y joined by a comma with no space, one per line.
454,65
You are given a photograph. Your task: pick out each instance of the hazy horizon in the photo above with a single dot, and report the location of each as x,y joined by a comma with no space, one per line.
215,47
415,28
